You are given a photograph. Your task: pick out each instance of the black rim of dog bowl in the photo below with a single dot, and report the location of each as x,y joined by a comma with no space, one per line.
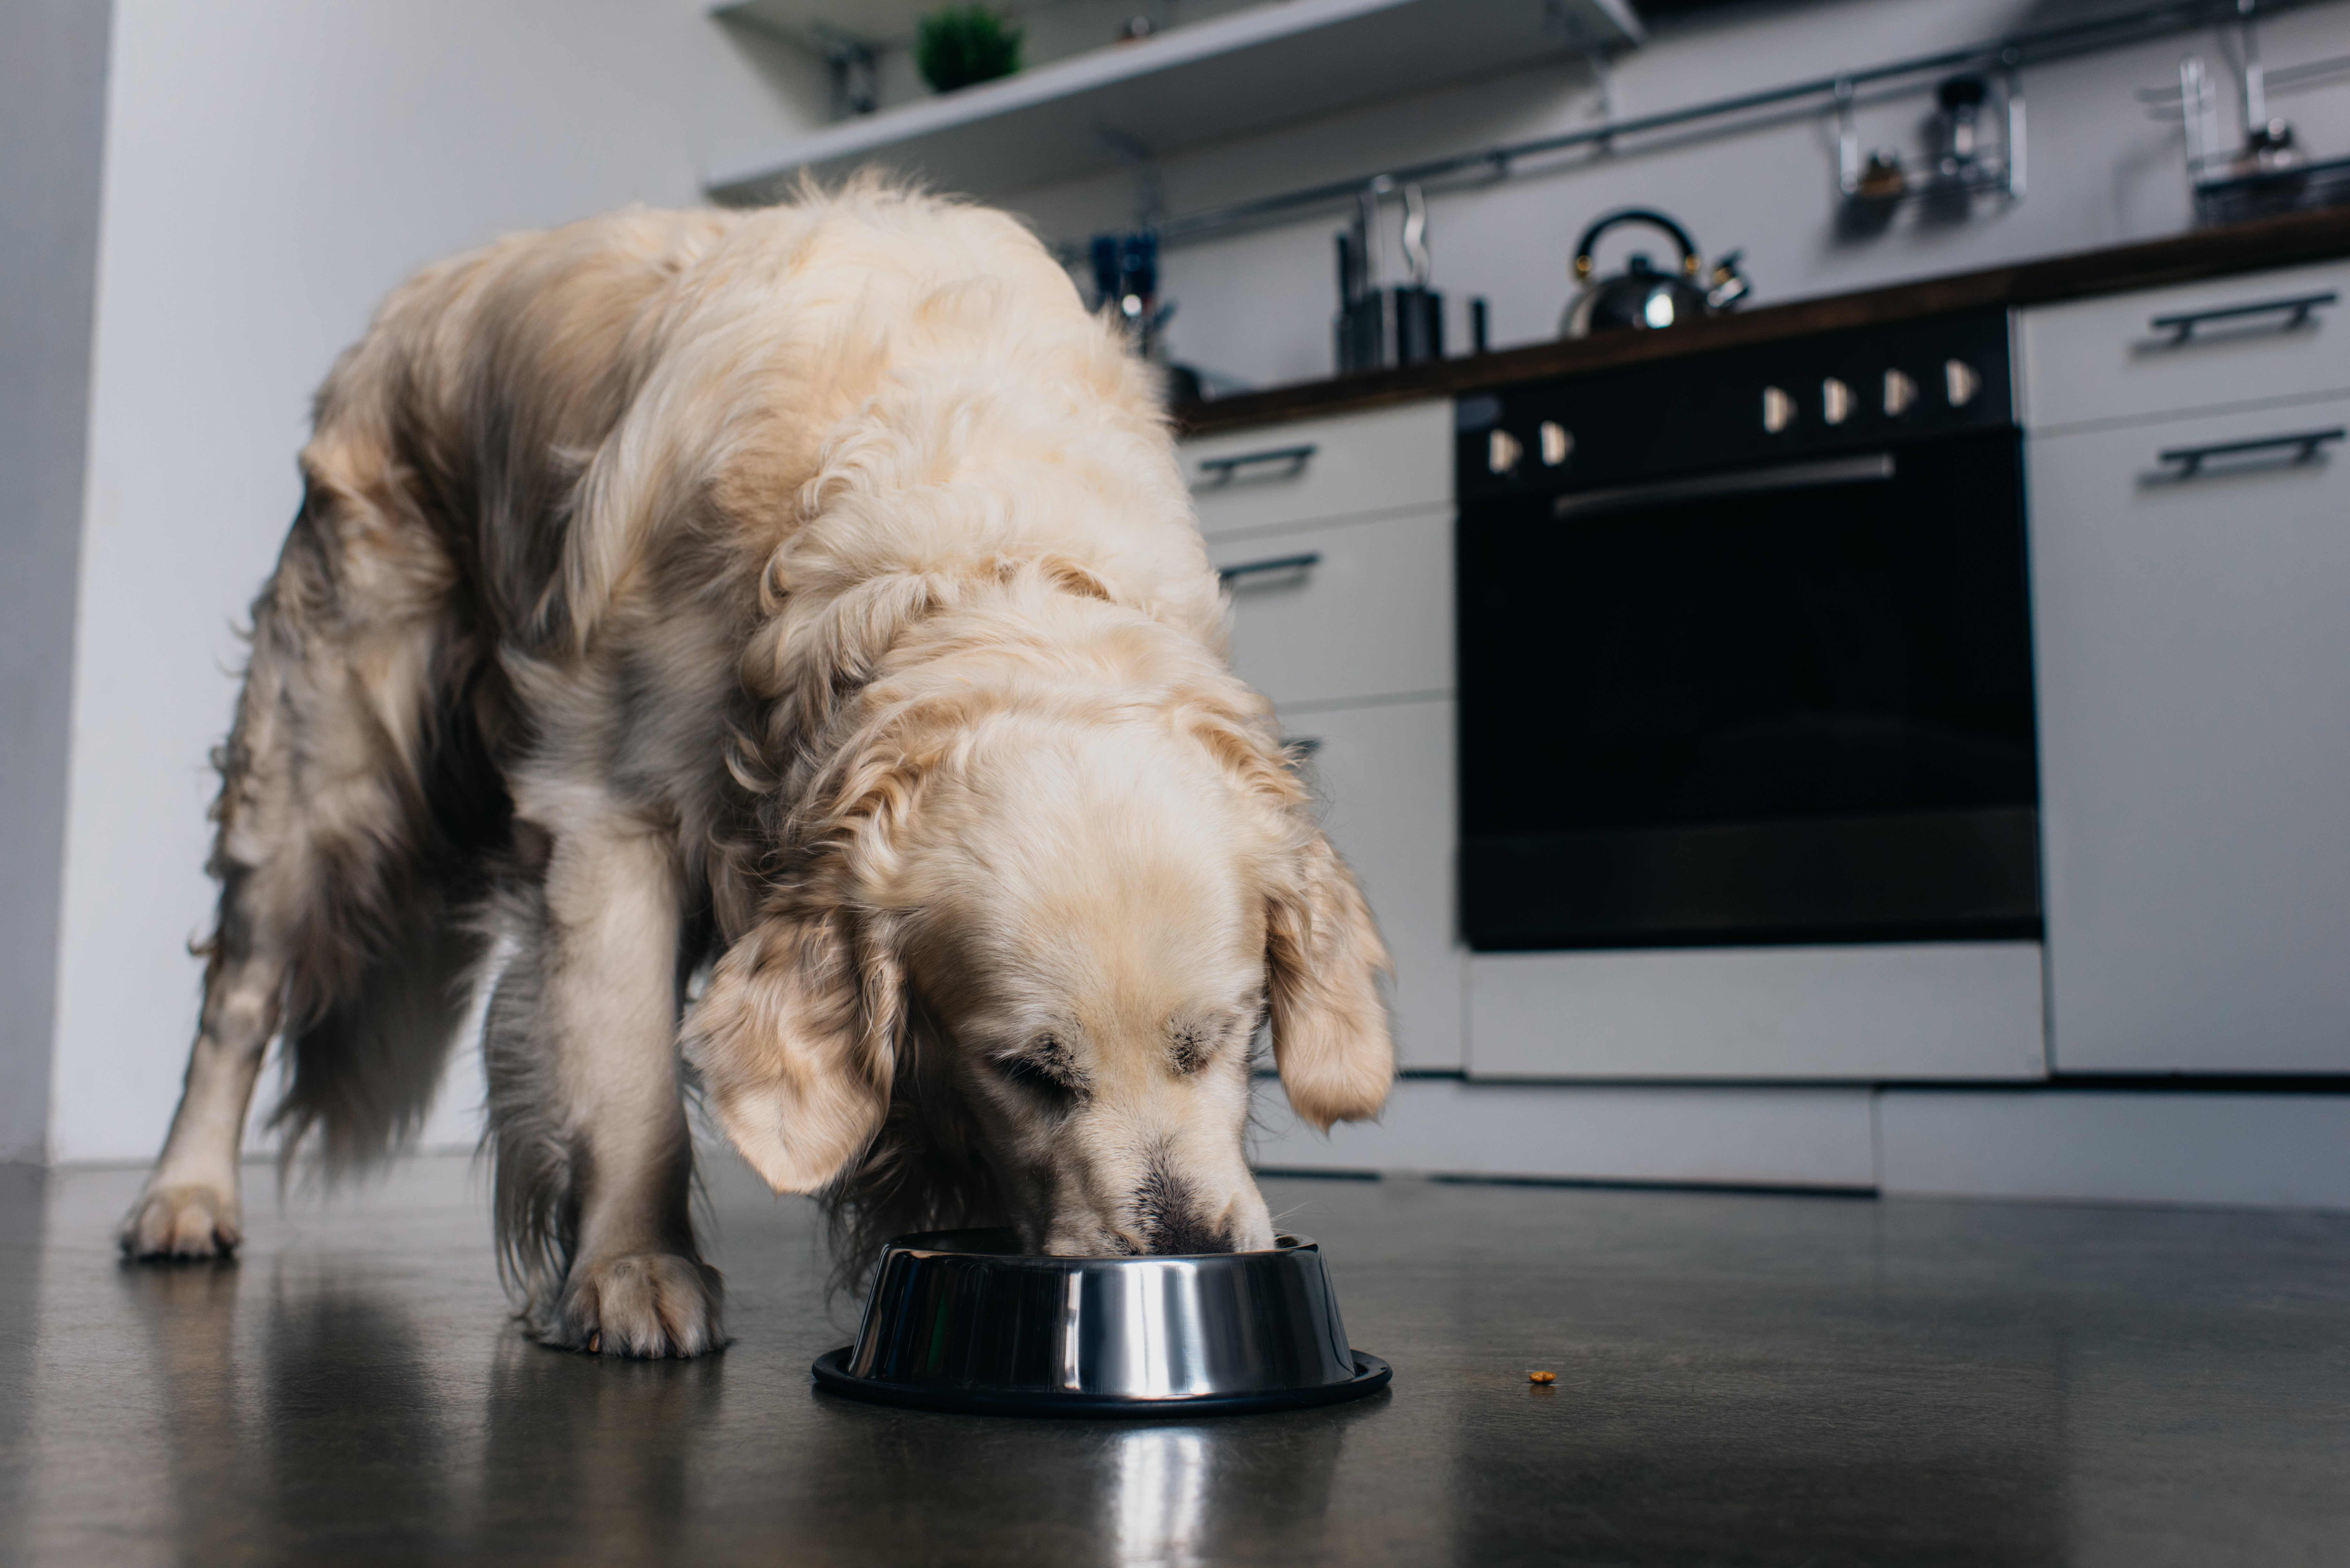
986,1263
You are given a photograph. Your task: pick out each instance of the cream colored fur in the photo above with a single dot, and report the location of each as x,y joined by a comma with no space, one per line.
813,591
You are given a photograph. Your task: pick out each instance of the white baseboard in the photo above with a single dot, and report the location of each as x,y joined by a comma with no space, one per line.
2128,1145
2289,1150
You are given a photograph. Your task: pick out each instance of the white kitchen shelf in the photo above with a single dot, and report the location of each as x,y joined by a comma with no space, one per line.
1237,74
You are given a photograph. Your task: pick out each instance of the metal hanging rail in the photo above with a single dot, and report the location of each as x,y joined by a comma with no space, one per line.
2008,53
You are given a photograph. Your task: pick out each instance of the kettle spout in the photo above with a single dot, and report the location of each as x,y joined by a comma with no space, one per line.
1729,284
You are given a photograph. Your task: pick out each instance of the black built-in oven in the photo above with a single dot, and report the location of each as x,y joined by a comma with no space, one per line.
1745,649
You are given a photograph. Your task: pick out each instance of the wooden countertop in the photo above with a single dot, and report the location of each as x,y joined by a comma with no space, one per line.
2284,241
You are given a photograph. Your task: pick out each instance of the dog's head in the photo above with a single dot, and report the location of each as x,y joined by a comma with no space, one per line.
1051,943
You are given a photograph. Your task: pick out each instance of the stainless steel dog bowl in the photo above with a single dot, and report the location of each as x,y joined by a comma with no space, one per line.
962,1320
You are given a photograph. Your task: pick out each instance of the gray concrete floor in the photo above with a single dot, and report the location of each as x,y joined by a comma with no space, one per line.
1741,1379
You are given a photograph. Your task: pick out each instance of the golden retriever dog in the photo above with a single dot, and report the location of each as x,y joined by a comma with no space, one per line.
772,652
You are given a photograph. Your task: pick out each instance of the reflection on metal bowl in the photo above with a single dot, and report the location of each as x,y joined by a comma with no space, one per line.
962,1320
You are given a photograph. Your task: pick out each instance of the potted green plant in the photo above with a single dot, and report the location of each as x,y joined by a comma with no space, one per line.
965,45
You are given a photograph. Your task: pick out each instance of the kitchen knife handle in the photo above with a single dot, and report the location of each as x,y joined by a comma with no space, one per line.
1277,563
1220,469
2181,326
2191,459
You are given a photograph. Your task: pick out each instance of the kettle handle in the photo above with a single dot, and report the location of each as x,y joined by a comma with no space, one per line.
1583,247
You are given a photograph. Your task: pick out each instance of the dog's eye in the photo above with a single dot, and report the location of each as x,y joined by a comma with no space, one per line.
1189,1050
1047,1079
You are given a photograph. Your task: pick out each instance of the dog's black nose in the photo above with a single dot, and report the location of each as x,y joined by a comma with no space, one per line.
1169,1218
1184,1231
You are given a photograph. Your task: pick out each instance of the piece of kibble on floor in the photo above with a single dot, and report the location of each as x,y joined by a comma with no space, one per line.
1541,1377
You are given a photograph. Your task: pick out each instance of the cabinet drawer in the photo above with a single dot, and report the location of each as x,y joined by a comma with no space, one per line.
2133,356
1384,775
1579,1132
1327,614
1887,1010
2193,658
1275,476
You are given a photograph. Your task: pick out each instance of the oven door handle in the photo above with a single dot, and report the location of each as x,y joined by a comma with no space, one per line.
1870,468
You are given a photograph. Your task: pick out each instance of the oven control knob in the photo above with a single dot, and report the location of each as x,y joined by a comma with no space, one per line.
1558,443
1835,401
1901,391
1501,452
1778,410
1960,382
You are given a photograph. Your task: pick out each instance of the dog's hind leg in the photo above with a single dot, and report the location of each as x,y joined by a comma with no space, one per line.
189,1208
594,1165
315,851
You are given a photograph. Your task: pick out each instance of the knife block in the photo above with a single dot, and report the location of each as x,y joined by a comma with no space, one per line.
1390,326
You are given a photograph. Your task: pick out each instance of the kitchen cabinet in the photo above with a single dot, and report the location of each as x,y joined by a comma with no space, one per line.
1344,614
2277,335
1383,777
2193,663
2191,683
1338,535
1268,479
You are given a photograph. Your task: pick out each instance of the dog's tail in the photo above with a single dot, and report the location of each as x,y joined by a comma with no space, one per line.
357,797
361,1076
366,1050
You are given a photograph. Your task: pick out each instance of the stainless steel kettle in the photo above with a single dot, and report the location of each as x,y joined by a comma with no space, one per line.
1640,296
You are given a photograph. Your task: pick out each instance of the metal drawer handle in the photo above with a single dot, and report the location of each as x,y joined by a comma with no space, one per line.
1220,469
2191,459
1277,563
2182,326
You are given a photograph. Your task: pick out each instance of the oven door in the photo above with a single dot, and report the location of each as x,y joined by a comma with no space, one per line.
1788,703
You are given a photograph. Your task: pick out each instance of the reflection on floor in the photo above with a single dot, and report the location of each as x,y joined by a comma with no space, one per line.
1740,1380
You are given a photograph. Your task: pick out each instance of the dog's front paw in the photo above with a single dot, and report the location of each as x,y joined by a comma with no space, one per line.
639,1303
186,1221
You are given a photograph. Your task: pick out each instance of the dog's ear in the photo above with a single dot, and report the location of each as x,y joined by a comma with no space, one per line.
795,1040
1323,960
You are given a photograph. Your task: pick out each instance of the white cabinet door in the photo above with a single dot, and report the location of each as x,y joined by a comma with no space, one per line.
1384,775
1271,477
2192,637
2264,337
1341,613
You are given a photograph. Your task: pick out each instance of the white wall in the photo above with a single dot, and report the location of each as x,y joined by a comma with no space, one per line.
2101,172
52,123
271,168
